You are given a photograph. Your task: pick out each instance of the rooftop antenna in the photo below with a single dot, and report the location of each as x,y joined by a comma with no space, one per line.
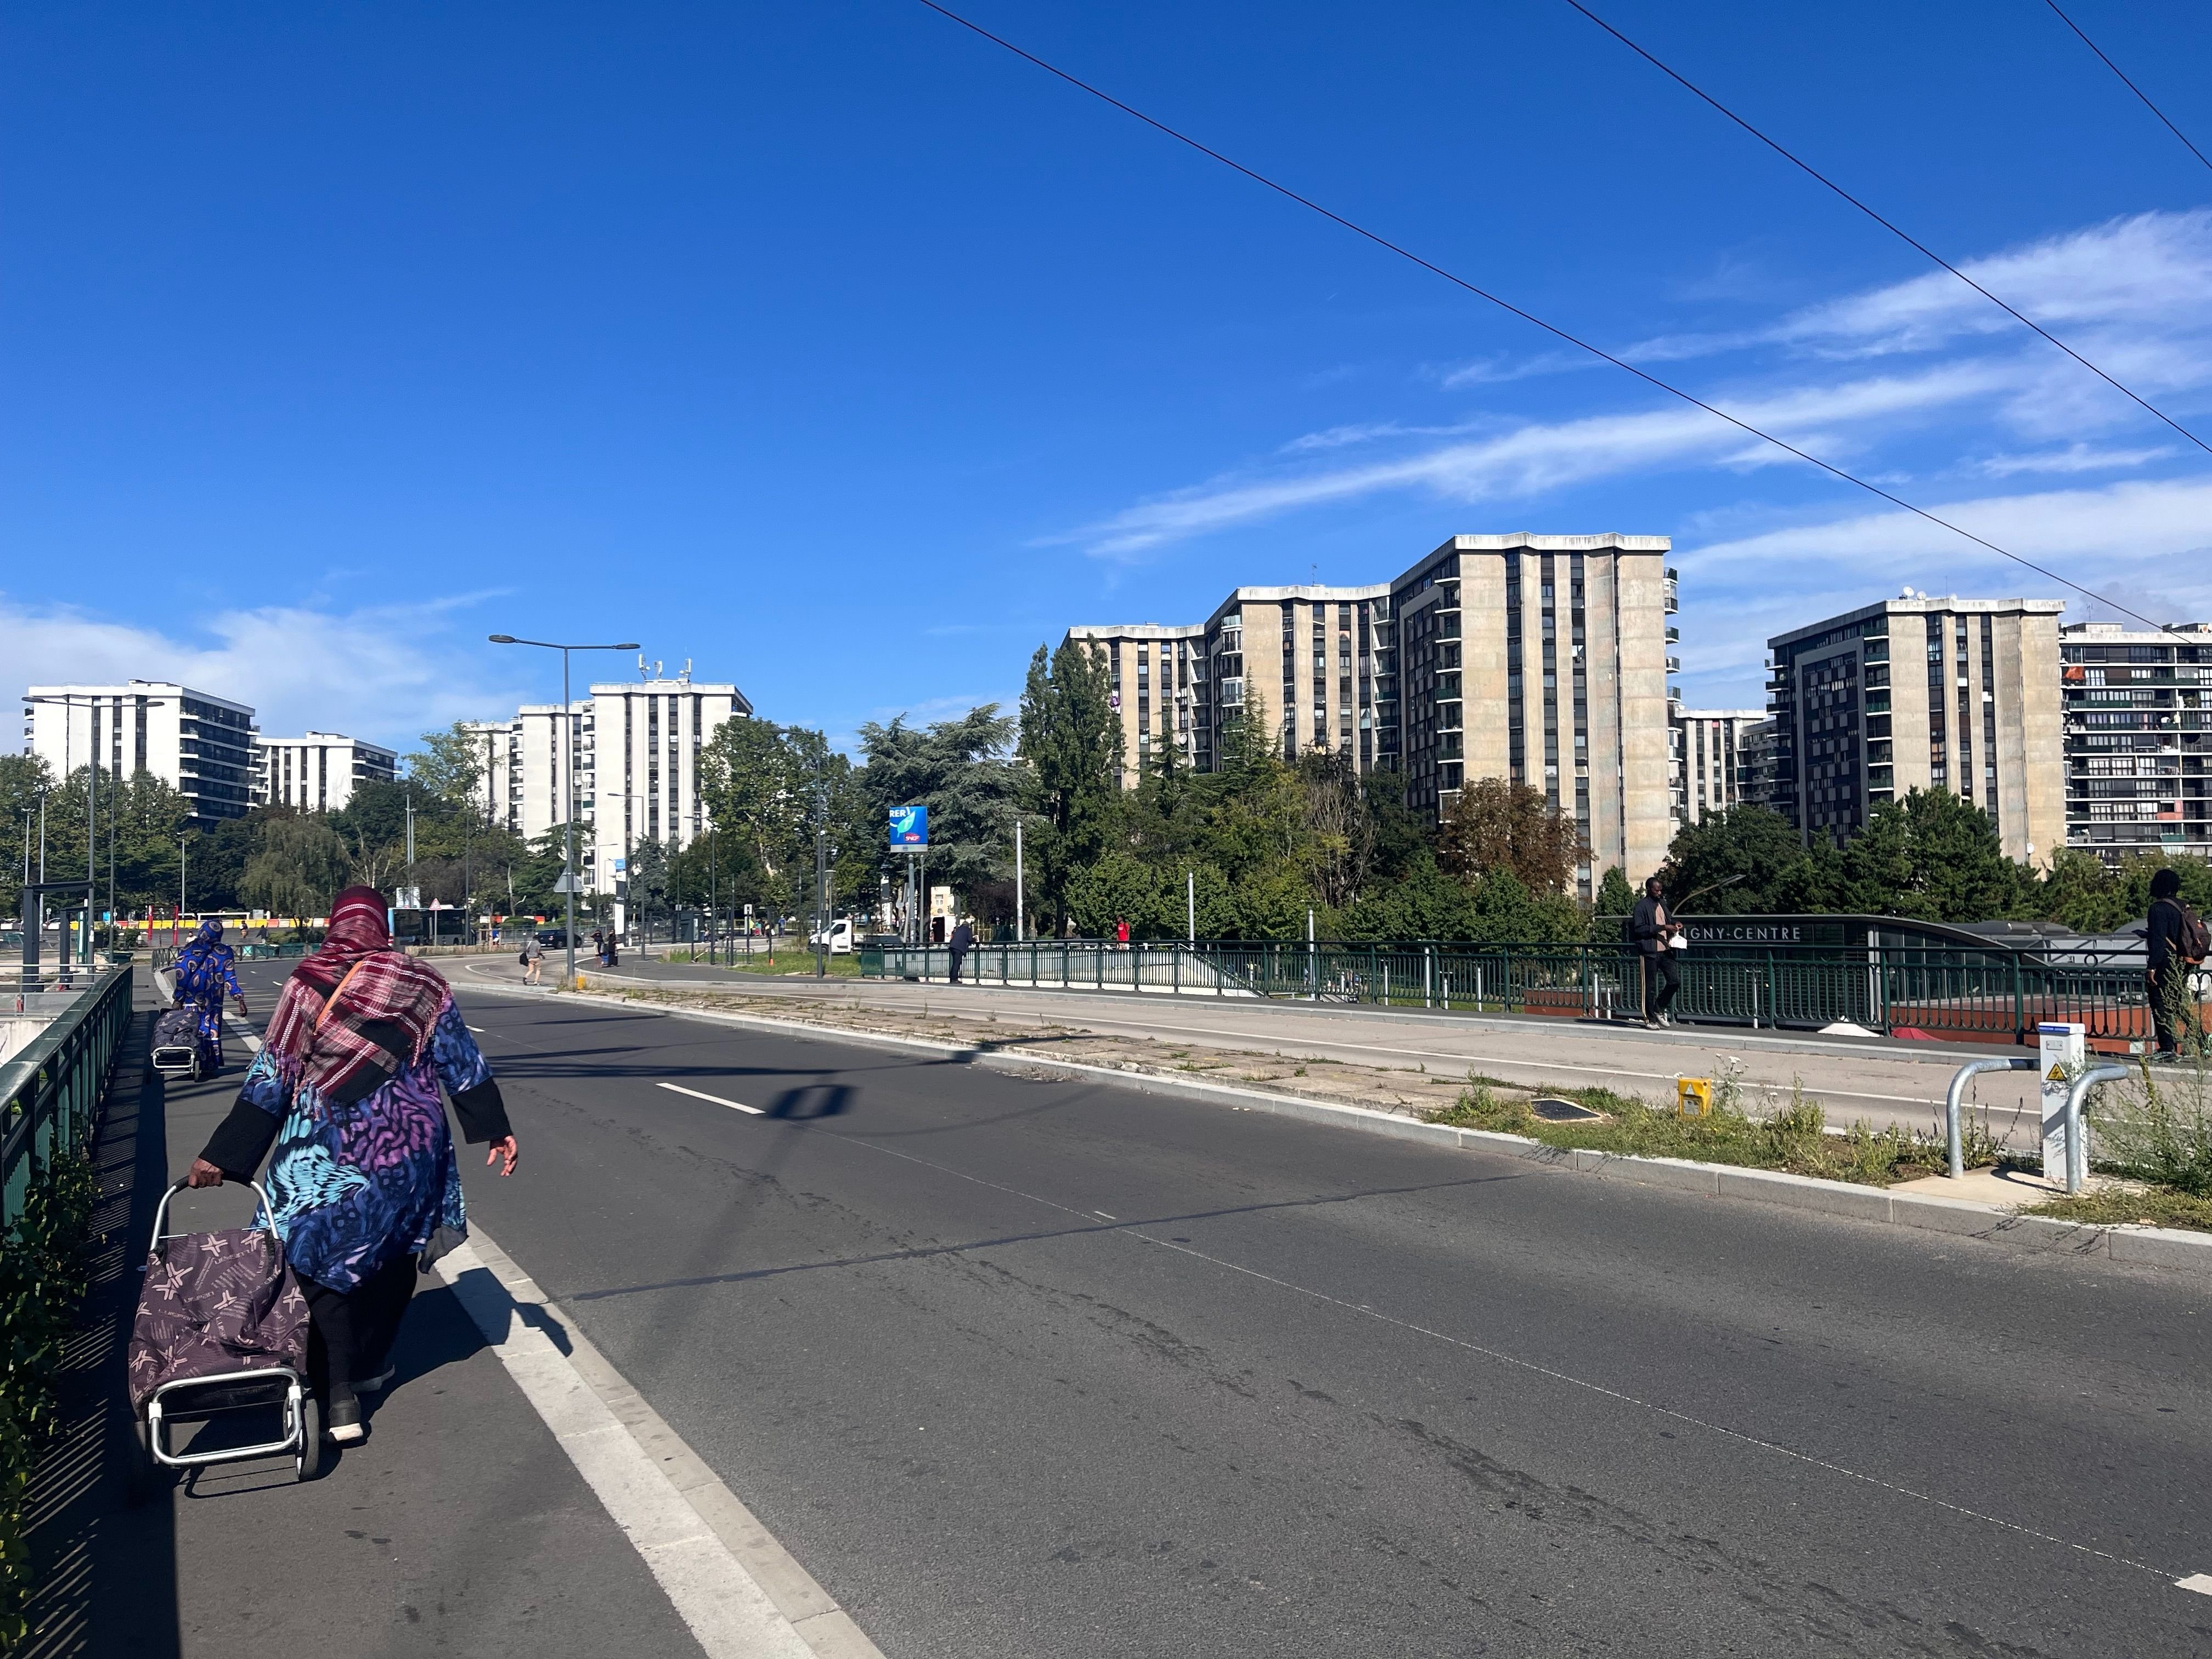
641,674
685,677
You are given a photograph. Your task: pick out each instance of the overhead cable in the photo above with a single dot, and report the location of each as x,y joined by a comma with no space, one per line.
1811,171
2129,84
1530,317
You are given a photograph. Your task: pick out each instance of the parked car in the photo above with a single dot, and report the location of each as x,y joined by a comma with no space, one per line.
553,938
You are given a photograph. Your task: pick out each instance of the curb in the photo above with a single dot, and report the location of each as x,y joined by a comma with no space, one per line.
2158,1247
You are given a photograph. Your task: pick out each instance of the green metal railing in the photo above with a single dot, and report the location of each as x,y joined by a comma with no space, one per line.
50,1092
1987,996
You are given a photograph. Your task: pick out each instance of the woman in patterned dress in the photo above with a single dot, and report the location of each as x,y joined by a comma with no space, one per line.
362,1180
204,970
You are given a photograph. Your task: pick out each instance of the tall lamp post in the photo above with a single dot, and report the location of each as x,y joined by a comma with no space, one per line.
568,788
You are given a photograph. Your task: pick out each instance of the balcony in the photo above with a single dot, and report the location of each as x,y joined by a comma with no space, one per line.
1674,664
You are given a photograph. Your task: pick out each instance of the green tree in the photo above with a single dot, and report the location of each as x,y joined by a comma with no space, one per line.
1746,861
300,866
959,770
454,766
1933,857
1615,898
1071,750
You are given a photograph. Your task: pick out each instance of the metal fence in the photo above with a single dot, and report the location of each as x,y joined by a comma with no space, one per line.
1983,996
50,1092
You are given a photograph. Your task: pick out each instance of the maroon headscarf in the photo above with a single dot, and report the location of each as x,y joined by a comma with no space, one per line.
357,1011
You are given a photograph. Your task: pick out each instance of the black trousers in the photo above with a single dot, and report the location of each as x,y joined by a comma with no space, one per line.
351,1332
959,957
1662,980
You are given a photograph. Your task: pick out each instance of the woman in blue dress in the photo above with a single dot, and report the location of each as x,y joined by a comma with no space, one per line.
205,969
362,1182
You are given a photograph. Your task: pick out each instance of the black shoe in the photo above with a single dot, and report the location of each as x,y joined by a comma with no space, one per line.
375,1384
342,1421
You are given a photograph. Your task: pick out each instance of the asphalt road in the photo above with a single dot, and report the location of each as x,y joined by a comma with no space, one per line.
1038,1367
1878,1080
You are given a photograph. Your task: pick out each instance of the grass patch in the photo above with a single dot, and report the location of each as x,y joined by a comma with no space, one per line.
1794,1138
2162,1207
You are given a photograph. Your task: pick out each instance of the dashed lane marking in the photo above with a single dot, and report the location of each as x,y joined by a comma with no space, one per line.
2199,1582
701,1094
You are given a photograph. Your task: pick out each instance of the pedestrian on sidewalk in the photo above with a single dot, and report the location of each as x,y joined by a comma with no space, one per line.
2174,936
962,940
204,970
363,1188
599,947
1651,927
534,960
1121,932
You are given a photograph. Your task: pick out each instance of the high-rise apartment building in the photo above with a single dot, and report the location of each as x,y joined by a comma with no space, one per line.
2138,732
498,791
1541,658
640,765
317,773
1756,758
1712,762
1919,692
1155,679
200,745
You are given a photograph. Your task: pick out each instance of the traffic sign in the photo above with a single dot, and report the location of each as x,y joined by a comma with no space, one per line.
910,826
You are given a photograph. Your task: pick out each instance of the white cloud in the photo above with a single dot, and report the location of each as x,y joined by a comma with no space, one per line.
2143,535
1503,368
1537,457
2075,458
387,673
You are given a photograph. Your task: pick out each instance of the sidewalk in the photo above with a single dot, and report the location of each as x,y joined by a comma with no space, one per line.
458,1526
1879,1079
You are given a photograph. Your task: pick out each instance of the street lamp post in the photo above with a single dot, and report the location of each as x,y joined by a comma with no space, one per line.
569,786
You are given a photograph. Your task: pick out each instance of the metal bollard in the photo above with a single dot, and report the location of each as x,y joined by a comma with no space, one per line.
1953,1096
2077,1159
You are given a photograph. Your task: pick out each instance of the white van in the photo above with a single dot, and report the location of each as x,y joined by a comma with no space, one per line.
840,937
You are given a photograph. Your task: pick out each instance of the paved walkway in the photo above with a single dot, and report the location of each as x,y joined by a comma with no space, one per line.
1881,1080
458,1526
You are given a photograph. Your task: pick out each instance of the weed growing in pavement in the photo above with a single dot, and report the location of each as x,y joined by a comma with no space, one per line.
2157,1127
2160,1207
1793,1137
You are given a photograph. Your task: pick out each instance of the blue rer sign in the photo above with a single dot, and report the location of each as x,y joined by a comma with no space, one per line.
910,826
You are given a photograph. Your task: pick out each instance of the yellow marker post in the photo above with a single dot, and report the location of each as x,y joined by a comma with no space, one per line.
1693,1096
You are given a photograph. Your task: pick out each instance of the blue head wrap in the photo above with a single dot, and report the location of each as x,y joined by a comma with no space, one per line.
211,931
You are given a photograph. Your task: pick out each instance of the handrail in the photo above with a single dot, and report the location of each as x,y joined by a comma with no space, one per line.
2077,1150
50,1093
1952,1095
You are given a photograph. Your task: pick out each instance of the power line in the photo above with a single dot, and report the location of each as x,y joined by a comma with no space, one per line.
1814,172
2129,84
1528,316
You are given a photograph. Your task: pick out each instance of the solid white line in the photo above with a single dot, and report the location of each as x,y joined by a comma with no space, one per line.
478,1028
708,1552
2199,1582
245,1032
697,1094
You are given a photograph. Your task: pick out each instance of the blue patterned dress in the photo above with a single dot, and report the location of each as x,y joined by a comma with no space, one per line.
205,974
355,1187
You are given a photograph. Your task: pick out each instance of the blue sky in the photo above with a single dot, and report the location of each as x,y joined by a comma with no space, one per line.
843,354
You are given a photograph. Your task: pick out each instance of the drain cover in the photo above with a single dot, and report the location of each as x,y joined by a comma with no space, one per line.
1554,1111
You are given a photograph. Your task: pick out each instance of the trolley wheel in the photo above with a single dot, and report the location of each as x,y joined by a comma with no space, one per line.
147,1477
313,1456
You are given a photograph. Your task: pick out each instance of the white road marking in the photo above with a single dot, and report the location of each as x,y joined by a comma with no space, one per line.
697,1094
244,1033
1101,1212
2199,1582
738,1590
477,1029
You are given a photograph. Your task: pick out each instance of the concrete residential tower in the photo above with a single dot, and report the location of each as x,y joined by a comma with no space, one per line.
1918,693
2138,732
317,773
200,745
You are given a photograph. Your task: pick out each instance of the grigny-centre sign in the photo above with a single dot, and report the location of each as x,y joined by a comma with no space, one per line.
909,827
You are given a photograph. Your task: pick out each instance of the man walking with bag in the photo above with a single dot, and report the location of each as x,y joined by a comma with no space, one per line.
1653,928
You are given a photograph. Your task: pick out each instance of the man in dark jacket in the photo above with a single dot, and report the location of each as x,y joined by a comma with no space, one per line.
2173,1006
1651,926
962,938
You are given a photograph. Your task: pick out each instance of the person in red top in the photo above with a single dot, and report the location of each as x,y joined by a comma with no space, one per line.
1121,931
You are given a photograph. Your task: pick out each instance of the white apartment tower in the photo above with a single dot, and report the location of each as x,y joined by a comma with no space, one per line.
200,745
317,773
640,764
1712,759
